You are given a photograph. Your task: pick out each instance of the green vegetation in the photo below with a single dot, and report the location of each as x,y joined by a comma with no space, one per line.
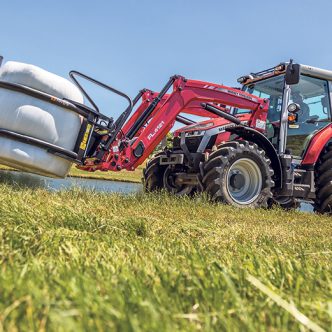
6,168
80,260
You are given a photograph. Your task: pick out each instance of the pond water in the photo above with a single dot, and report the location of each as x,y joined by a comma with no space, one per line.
37,181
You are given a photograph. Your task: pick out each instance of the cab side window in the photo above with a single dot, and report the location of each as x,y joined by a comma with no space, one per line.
312,95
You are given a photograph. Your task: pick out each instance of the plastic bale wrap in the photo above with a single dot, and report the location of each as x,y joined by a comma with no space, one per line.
33,117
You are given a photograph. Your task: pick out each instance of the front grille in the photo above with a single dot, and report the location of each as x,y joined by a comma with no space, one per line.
193,143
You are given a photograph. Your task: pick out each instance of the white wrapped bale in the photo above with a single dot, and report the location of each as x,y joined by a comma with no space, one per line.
30,116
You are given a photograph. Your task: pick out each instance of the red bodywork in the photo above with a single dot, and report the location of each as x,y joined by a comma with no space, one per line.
317,144
186,97
213,123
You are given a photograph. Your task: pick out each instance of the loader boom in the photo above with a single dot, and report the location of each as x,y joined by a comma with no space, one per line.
156,115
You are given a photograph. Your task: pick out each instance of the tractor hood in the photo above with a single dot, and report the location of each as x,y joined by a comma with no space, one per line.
200,127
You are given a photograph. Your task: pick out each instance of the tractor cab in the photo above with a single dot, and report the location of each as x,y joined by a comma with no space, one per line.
298,126
299,104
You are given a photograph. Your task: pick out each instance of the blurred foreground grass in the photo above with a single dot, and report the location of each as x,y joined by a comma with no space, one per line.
80,260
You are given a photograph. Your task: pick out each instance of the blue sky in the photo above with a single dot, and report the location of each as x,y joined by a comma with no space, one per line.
134,44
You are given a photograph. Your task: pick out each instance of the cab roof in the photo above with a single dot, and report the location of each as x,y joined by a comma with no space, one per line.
281,68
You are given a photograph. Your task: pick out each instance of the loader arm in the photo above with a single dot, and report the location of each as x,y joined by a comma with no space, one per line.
156,115
147,97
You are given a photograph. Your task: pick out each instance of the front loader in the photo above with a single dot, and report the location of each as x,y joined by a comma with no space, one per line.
108,145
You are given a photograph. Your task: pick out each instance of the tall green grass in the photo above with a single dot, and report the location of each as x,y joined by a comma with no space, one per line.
80,260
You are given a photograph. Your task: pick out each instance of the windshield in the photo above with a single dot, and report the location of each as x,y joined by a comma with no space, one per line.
271,89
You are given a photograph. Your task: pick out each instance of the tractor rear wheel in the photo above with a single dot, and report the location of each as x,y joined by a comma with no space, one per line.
153,174
239,173
323,202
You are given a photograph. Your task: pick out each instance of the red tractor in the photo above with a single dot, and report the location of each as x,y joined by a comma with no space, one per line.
265,143
257,158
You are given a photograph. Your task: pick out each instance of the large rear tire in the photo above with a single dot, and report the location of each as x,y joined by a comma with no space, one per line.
239,173
323,177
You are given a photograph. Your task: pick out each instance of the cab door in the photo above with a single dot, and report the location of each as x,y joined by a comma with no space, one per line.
312,94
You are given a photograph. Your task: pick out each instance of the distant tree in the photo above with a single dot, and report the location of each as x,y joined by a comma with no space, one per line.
167,142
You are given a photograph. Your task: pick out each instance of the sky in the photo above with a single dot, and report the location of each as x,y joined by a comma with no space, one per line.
139,44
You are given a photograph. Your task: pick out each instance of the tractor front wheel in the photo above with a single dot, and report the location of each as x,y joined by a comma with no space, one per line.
172,185
157,177
239,173
153,174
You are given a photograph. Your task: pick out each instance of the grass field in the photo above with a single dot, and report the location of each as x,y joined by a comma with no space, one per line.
79,260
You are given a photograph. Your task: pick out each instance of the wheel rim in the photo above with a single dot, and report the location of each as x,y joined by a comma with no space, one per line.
244,181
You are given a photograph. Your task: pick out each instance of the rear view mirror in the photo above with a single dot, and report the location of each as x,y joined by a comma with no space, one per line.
292,73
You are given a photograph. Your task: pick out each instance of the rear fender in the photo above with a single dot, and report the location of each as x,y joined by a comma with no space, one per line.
255,136
316,145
